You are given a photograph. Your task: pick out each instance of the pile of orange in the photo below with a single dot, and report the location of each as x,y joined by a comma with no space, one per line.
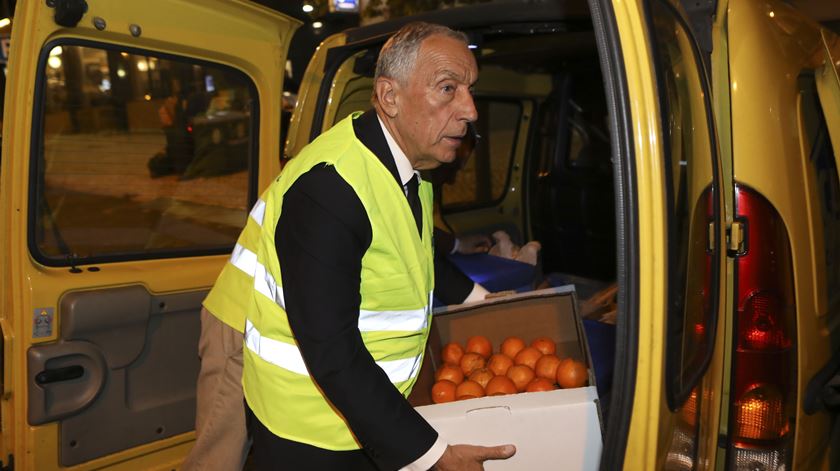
473,370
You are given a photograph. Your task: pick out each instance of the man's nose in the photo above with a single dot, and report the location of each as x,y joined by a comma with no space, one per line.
468,111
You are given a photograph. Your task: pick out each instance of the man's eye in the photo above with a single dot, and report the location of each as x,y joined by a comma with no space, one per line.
447,88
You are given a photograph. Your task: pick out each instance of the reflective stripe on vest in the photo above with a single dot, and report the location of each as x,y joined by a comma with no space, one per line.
258,212
369,321
288,357
225,300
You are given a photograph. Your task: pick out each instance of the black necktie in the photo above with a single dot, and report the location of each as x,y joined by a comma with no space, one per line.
413,195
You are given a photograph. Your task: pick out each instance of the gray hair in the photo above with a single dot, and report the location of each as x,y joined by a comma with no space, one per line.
399,54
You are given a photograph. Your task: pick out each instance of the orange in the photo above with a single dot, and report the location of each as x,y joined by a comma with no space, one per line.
468,388
571,374
511,346
545,345
499,363
528,356
500,385
470,362
450,372
547,366
482,376
452,353
521,375
443,391
481,345
540,384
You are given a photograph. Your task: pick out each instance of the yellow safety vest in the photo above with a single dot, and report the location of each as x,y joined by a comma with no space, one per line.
396,285
226,300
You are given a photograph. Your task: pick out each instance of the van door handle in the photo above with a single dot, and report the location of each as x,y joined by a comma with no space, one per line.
63,378
55,375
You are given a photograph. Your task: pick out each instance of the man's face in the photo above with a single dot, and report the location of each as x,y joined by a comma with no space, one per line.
435,104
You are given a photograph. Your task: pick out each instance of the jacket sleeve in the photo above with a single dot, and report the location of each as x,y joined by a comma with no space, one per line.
321,236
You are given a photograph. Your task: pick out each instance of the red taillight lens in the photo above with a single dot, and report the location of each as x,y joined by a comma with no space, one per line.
763,401
761,328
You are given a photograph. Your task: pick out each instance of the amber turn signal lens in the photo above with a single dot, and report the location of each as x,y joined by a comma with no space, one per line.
759,414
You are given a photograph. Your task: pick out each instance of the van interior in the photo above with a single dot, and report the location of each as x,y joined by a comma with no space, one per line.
540,169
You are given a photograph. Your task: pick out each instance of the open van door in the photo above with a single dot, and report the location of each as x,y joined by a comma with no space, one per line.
669,231
670,238
136,137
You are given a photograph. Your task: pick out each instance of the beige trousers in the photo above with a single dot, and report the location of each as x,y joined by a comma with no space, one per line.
221,440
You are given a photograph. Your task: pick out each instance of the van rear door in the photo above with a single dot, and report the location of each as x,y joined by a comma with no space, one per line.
666,389
136,137
666,396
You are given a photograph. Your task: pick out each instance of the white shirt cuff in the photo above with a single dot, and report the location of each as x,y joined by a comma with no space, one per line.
429,458
477,294
455,246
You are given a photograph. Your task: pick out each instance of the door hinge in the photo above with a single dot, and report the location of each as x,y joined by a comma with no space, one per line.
10,466
736,238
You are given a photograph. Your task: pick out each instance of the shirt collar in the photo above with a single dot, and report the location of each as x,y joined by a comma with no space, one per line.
404,167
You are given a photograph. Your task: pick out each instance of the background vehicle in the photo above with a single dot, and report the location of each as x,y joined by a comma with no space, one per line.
712,199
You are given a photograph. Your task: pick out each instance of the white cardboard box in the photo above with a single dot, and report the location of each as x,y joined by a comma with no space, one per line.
552,430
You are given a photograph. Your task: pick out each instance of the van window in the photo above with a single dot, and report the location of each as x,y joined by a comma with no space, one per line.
822,181
690,201
138,156
485,166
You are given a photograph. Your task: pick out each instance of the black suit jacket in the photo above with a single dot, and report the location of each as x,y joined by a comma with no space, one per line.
321,236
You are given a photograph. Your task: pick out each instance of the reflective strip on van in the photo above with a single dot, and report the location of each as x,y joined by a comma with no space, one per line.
258,211
288,357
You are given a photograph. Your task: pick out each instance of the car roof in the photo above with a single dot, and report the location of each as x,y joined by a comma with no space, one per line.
478,16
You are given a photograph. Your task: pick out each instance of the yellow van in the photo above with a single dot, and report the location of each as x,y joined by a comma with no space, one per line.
692,159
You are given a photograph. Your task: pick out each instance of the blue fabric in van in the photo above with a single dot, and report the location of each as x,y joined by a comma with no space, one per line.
496,273
601,339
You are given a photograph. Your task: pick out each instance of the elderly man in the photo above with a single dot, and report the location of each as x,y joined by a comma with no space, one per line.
340,251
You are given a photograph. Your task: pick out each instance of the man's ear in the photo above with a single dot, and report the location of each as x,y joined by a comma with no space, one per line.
387,90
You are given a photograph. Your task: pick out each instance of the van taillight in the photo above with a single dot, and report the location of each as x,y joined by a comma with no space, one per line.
763,394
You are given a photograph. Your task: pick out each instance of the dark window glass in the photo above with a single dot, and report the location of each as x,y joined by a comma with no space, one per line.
139,156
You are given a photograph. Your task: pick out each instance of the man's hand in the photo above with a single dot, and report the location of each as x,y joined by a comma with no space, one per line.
470,244
471,457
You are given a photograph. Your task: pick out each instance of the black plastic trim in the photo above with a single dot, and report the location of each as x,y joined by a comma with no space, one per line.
627,229
701,15
818,386
36,148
